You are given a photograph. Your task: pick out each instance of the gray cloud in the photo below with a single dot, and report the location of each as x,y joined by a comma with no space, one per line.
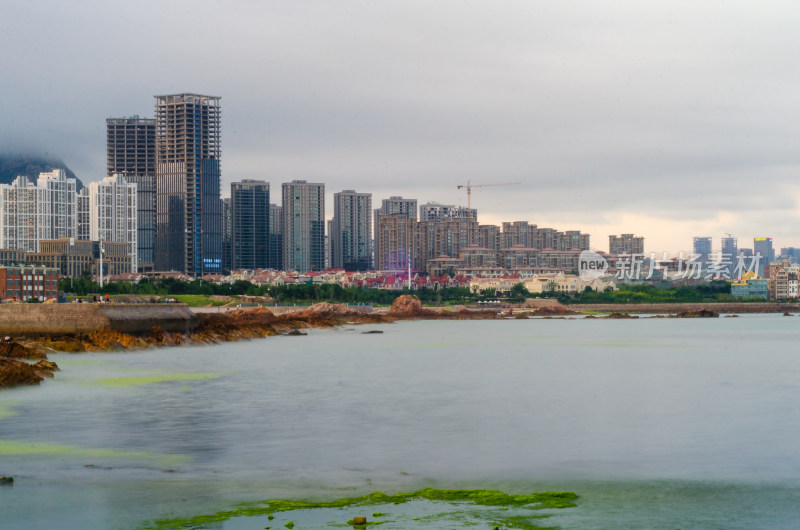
604,111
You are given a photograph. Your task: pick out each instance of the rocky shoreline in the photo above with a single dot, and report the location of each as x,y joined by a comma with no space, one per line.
16,356
211,328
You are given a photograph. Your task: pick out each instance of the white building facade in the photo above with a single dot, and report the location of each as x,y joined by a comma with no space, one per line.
113,213
30,213
83,215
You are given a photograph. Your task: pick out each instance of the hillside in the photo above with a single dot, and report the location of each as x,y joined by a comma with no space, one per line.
11,166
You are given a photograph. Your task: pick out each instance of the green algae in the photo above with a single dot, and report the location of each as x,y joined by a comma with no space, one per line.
478,497
15,447
127,382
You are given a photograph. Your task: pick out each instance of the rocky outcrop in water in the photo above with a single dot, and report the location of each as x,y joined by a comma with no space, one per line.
620,315
698,313
14,372
15,350
554,310
406,306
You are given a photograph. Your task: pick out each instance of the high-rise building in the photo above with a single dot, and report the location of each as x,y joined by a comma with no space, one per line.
762,249
351,233
84,225
131,152
573,240
113,214
625,244
303,225
227,222
730,254
701,247
188,204
31,213
489,236
433,211
250,224
518,234
276,237
395,247
392,205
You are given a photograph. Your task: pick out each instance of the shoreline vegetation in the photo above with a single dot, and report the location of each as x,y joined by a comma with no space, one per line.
202,293
23,359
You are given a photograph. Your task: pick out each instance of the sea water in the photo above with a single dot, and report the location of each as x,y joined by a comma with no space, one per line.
654,423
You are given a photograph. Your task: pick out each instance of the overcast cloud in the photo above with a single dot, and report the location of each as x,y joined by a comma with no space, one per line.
666,119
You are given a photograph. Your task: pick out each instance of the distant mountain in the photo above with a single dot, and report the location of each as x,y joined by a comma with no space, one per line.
12,166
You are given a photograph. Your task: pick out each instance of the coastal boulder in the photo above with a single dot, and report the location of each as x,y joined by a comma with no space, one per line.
697,313
407,306
13,373
620,315
553,310
15,350
324,310
46,365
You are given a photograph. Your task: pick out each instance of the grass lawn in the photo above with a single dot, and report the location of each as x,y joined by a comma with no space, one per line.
197,300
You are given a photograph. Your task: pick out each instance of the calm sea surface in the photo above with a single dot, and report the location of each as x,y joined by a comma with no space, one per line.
654,423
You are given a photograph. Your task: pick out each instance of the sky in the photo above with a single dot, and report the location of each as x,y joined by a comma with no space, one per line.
663,119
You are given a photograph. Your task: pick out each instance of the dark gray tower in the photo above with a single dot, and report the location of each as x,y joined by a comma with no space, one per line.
188,205
131,151
250,224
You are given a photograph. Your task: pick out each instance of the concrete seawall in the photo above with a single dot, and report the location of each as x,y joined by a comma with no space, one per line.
70,319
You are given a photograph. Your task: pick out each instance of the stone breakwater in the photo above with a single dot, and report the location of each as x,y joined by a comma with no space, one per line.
38,329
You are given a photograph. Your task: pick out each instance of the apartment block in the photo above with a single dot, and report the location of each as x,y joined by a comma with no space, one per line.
113,214
395,245
30,213
625,244
351,231
303,225
250,224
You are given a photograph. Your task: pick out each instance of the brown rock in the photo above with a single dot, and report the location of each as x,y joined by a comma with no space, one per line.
697,313
554,310
407,306
620,315
13,373
46,365
324,314
15,350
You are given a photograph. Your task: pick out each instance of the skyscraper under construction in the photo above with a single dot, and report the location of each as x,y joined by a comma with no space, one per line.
188,205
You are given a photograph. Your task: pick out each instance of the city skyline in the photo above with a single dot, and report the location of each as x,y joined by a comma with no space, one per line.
625,118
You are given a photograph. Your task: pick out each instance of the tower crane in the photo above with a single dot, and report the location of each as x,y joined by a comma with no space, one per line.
469,185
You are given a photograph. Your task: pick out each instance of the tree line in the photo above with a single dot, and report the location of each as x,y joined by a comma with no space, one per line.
312,293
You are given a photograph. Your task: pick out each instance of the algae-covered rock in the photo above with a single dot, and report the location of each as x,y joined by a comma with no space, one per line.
13,373
46,365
